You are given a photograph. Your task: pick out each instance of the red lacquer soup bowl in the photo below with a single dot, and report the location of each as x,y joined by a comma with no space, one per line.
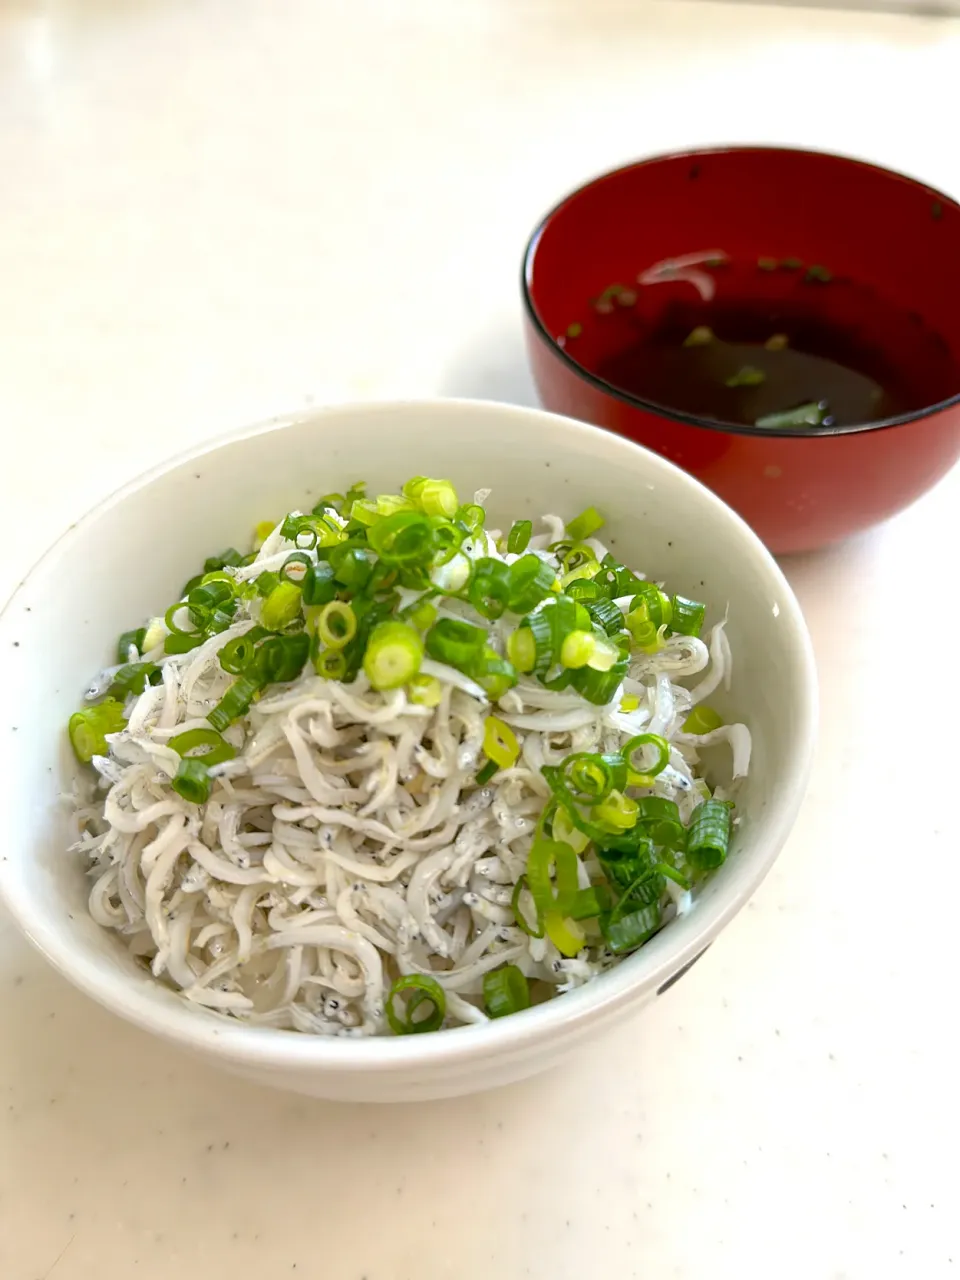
877,255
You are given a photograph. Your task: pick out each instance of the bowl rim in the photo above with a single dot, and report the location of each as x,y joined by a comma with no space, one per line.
238,1043
678,415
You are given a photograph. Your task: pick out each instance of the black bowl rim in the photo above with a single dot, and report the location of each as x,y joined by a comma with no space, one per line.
676,415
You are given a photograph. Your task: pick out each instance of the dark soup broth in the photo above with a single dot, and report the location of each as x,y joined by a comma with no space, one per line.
778,345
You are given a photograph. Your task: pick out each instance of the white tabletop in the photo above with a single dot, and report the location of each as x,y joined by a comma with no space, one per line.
213,210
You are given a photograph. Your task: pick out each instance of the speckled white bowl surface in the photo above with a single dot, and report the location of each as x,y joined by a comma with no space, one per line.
124,560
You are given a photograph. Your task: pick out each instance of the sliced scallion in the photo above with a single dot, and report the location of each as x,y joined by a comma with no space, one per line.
216,751
708,836
536,929
505,991
336,624
281,606
393,655
87,729
585,524
455,642
422,1008
500,742
192,780
702,719
519,536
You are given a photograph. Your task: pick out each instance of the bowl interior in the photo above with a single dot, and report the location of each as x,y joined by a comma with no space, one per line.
121,562
874,254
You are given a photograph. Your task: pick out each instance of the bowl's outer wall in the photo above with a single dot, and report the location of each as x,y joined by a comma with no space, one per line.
797,494
887,232
124,561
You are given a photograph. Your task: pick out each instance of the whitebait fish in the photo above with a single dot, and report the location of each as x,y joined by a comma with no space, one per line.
395,771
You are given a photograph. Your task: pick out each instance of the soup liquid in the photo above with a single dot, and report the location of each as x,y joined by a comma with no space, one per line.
834,343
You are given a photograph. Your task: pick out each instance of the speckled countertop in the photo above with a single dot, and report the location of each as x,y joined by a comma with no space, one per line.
217,209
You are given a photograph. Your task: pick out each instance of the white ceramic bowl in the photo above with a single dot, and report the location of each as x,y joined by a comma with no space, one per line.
122,561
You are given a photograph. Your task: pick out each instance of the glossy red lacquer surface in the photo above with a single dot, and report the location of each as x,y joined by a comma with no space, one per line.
898,237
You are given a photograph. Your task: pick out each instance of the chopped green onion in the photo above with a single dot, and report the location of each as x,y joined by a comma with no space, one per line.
564,831
237,654
603,654
519,536
687,617
281,606
178,643
522,649
585,524
812,414
486,772
296,568
531,581
455,642
617,811
425,691
422,615
589,777
599,687
471,516
389,504
708,836
364,512
542,635
627,932
133,677
629,702
336,624
505,991
699,337
87,729
213,590
318,586
702,719
352,565
577,649
552,876
393,655
234,703
490,587
174,620
650,603
423,991
565,935
218,751
231,557
500,742
281,658
438,498
331,664
590,903
616,579
748,376
588,591
493,673
192,781
659,818
605,614
671,873
637,769
130,640
265,582
447,540
403,538
536,929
